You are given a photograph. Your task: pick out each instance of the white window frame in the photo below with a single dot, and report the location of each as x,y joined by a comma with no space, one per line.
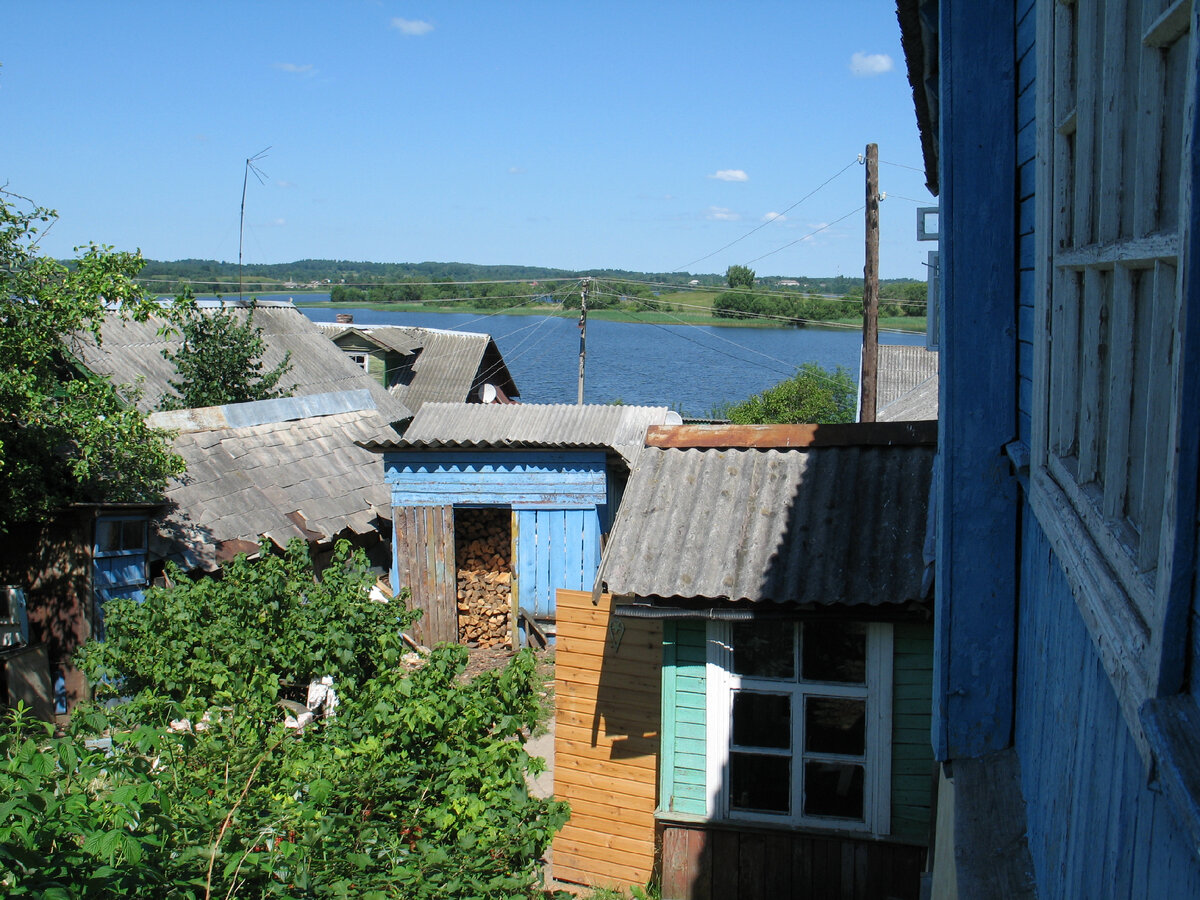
722,682
360,358
1097,237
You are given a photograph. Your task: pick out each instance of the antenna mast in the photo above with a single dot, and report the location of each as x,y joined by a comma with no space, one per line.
259,174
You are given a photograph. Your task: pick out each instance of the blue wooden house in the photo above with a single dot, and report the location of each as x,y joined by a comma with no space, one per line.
1061,139
555,471
786,570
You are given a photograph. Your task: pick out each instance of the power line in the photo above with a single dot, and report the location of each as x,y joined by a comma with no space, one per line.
902,166
806,237
769,221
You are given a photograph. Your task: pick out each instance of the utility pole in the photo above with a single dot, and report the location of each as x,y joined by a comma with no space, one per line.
870,356
583,295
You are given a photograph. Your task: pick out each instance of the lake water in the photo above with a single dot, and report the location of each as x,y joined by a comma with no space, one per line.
690,368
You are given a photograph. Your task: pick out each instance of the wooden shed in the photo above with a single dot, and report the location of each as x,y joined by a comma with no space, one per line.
782,572
552,474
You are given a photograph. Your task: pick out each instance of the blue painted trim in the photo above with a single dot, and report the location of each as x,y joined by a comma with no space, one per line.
978,500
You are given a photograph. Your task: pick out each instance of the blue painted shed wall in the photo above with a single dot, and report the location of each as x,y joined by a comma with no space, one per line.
556,548
1095,829
528,479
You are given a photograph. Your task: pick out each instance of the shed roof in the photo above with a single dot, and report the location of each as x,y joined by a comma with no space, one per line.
907,388
448,364
275,468
828,523
530,425
132,353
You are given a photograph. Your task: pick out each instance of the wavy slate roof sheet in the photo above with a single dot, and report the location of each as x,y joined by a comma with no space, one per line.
619,428
908,384
279,468
822,525
133,351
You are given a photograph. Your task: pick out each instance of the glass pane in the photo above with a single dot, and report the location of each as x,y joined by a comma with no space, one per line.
133,534
762,720
835,725
108,536
833,789
835,651
760,783
764,649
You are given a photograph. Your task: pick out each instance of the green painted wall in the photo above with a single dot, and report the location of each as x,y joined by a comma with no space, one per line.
683,760
912,750
683,727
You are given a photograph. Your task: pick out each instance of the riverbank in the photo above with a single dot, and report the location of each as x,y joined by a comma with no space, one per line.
915,324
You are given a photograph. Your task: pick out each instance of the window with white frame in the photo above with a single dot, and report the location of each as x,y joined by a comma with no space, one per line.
360,359
799,723
1115,81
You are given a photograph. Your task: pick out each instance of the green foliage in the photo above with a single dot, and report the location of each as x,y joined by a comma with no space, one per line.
813,394
740,277
66,435
744,305
415,789
220,360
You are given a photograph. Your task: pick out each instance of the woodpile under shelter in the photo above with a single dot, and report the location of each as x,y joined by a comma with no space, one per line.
496,507
752,675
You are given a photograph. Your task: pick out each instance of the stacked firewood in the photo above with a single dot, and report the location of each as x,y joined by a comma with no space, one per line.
484,548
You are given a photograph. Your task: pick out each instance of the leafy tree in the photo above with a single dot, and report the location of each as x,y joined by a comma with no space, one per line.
813,394
740,277
66,434
415,788
220,360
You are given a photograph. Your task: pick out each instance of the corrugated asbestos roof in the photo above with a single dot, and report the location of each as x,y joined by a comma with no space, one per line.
448,364
132,353
282,476
823,525
451,425
908,384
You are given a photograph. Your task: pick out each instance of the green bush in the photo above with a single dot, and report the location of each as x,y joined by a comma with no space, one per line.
416,788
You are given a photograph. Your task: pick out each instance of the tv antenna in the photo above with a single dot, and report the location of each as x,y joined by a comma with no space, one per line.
251,166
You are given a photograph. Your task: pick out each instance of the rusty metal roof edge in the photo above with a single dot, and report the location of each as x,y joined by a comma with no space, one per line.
792,437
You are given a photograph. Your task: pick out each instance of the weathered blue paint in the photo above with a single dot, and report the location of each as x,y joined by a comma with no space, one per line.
978,495
1095,828
479,478
119,562
555,549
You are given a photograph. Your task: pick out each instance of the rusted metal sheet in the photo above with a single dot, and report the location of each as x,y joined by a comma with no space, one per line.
424,540
780,437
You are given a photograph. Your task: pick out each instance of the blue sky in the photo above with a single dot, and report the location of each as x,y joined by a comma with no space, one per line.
625,135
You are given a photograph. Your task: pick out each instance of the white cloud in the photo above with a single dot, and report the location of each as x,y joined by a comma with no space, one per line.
285,184
515,170
774,217
865,65
412,27
730,175
279,223
296,68
721,214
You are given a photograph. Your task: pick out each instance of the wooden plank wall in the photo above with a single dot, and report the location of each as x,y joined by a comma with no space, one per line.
702,862
684,753
606,742
424,544
912,752
556,548
1095,828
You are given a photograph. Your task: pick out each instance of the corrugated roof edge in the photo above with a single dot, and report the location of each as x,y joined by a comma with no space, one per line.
262,412
783,437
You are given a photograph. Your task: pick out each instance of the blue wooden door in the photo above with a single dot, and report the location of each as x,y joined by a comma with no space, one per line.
556,548
119,563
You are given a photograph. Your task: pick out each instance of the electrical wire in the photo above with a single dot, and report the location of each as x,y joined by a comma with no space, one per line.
770,220
806,237
901,166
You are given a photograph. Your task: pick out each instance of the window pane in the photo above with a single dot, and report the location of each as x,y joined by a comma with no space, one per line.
762,720
133,534
833,789
764,649
835,725
108,535
760,783
835,651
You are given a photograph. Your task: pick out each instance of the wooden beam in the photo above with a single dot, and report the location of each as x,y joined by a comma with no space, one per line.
783,437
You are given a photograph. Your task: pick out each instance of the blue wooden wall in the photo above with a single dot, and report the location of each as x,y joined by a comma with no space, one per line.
556,548
1095,828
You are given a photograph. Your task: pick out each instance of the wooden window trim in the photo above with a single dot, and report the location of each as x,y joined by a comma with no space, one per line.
1122,594
720,684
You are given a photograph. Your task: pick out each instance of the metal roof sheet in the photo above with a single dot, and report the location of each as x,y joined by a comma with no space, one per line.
907,386
132,353
820,525
243,482
619,428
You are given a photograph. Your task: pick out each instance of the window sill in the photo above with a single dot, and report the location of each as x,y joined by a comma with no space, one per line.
1172,728
692,820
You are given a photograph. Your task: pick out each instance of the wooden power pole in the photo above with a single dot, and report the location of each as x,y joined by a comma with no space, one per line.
870,354
583,295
